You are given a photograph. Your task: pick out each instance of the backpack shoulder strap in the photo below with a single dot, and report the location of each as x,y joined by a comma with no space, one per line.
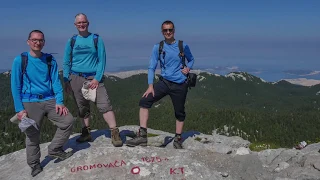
24,62
160,48
95,40
160,52
181,54
180,44
49,63
73,41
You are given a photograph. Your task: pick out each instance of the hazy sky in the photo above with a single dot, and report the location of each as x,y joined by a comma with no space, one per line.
244,33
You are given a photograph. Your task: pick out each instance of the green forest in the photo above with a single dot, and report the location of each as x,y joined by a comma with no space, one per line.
280,114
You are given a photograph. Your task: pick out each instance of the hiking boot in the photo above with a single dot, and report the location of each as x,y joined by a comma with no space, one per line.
115,137
140,140
62,155
177,142
85,135
36,170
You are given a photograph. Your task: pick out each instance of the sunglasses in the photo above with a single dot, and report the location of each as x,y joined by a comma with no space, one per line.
37,40
166,30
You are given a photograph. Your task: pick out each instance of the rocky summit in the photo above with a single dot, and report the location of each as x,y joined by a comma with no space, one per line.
213,157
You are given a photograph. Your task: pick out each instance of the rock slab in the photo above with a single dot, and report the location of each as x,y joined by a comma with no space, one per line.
211,157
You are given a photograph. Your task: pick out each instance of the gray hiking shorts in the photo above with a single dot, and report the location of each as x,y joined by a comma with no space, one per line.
102,99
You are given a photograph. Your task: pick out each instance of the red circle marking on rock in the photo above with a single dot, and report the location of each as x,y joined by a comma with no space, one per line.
135,170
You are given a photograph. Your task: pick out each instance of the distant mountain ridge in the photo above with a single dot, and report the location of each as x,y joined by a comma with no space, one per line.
303,81
4,70
234,75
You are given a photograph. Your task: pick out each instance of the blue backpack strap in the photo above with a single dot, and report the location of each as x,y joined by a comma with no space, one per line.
95,40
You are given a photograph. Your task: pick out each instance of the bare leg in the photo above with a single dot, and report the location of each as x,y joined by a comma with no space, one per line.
110,119
179,126
84,122
144,115
141,138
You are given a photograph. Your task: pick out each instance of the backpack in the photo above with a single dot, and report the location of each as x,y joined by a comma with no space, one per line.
191,77
24,63
73,41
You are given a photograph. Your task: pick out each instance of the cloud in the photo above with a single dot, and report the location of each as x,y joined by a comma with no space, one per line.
312,73
301,72
303,81
256,72
233,68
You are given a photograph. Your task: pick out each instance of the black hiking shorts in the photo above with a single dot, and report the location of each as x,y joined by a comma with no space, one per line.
177,92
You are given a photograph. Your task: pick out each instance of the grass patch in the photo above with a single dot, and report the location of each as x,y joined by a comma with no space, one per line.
197,139
317,140
260,146
152,135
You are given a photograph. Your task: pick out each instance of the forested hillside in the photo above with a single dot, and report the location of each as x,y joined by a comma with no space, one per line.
239,104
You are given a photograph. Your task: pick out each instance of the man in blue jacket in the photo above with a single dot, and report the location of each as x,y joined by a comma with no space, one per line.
173,82
37,92
85,60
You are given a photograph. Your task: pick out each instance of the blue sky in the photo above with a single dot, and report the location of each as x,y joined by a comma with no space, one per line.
253,34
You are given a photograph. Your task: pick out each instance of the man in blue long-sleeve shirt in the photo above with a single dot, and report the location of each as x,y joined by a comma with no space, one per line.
37,93
85,61
173,82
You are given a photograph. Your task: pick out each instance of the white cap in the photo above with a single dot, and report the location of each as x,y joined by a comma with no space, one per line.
15,119
88,93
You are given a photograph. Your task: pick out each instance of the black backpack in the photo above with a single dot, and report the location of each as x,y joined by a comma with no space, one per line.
24,64
73,41
192,78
